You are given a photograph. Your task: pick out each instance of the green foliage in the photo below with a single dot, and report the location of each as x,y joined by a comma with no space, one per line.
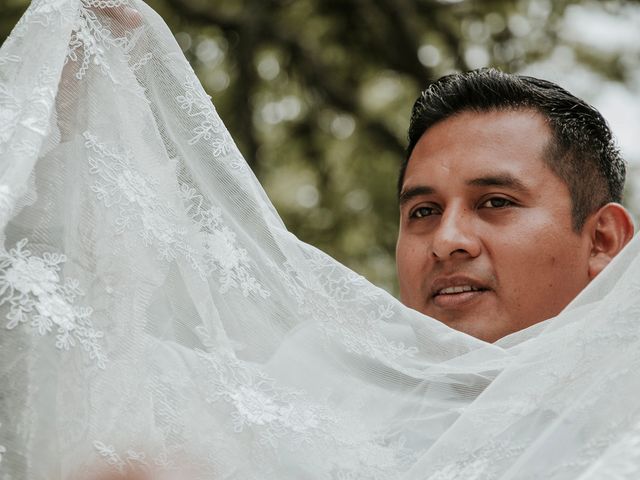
317,94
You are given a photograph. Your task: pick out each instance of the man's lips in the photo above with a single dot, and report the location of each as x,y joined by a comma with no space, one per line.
456,291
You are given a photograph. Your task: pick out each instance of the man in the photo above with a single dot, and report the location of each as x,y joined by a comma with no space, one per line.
509,202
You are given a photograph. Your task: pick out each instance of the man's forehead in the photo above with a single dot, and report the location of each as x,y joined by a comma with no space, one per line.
479,149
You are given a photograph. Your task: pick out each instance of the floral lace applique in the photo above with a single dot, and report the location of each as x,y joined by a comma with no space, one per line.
486,462
618,456
29,106
222,251
6,59
205,242
108,452
473,468
135,195
32,288
131,459
210,129
254,397
91,39
148,463
288,418
37,107
43,13
9,112
352,315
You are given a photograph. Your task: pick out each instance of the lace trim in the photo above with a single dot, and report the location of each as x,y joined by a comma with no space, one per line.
32,288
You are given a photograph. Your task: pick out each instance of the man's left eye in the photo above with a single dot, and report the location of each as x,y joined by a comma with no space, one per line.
496,202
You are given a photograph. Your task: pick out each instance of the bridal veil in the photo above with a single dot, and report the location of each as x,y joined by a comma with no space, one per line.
159,320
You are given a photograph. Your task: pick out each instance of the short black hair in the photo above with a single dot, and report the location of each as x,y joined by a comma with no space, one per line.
583,152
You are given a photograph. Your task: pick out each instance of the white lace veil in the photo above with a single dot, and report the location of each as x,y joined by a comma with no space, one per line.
158,319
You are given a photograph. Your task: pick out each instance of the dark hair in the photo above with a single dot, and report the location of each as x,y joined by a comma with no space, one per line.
582,152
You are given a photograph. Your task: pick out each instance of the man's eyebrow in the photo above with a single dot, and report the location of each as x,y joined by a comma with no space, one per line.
416,191
499,180
494,180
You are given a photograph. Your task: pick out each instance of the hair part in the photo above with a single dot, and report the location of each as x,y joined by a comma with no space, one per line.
582,151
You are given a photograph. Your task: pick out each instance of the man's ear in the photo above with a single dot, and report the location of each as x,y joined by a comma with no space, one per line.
611,229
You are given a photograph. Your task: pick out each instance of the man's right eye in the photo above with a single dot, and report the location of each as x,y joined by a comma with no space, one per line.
421,212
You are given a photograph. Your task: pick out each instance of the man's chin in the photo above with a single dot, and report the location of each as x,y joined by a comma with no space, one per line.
472,315
485,331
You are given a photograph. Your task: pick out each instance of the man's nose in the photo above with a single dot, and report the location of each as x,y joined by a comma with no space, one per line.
455,235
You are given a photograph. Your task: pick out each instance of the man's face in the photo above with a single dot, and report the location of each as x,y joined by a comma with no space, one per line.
486,243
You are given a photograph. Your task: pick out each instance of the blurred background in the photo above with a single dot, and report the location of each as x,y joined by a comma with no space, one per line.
317,93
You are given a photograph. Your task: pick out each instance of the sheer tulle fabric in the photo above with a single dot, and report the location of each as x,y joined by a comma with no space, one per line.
158,319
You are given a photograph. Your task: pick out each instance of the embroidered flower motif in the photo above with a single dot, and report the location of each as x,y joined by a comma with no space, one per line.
108,452
210,129
133,460
48,8
282,417
44,13
6,59
222,253
31,275
83,40
472,468
343,307
206,243
9,112
256,399
28,106
198,104
34,291
140,206
253,407
91,39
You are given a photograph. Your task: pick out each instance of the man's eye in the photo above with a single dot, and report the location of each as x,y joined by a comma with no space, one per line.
421,212
496,202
